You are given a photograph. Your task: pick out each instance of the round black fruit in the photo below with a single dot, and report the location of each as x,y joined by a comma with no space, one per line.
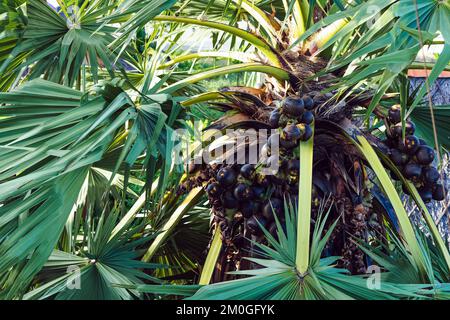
425,155
439,192
394,114
291,132
397,130
258,192
410,129
308,102
248,171
396,157
243,192
426,194
412,171
271,207
229,201
430,175
293,106
411,144
213,189
274,118
249,208
226,177
288,144
405,158
253,225
307,133
307,117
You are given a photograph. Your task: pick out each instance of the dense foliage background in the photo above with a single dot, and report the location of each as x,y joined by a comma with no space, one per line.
93,205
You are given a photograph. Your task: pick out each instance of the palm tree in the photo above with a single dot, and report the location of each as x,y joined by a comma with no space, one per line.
90,101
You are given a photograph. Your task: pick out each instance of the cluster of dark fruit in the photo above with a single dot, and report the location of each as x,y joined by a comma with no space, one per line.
295,116
252,198
293,120
246,192
413,157
245,195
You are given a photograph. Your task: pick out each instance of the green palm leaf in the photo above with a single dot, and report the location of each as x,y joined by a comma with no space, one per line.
107,261
279,280
45,159
57,47
422,117
383,56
